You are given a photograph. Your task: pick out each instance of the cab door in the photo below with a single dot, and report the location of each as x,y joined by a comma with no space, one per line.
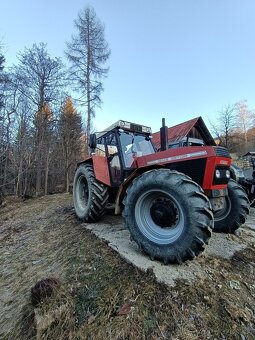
113,156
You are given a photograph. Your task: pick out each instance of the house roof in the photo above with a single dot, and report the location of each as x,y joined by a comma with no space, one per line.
250,153
184,129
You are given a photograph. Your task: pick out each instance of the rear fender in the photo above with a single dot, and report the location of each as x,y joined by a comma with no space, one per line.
101,168
85,161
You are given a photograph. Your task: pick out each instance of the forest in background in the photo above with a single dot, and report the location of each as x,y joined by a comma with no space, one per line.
234,128
42,133
40,129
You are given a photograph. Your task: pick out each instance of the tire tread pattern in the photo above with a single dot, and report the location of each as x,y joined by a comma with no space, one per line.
238,211
98,196
195,235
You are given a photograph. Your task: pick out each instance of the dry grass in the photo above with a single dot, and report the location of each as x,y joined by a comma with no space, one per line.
103,297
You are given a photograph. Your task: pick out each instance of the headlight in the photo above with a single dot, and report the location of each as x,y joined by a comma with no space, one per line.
217,173
221,176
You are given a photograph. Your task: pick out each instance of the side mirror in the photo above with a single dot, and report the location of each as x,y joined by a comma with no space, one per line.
92,141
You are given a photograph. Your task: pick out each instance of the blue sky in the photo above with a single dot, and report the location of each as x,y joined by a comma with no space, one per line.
176,59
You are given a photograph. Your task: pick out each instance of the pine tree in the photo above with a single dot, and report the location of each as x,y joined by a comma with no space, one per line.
70,138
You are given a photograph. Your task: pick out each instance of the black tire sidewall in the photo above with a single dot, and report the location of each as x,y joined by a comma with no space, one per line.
184,241
231,221
81,212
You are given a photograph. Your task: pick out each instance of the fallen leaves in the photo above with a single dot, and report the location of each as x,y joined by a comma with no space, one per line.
91,319
125,309
239,314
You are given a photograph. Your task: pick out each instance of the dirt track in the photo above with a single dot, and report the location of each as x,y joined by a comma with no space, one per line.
112,230
212,296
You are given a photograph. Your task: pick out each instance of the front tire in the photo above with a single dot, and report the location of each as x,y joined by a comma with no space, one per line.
168,215
89,196
235,210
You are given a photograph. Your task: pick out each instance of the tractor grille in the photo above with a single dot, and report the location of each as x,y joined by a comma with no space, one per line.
193,168
220,151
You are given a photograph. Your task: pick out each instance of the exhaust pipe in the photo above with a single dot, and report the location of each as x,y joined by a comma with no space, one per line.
163,136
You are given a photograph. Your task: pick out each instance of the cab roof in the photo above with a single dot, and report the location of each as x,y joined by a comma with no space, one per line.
127,126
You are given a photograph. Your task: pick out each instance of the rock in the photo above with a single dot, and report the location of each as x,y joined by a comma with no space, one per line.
91,319
234,284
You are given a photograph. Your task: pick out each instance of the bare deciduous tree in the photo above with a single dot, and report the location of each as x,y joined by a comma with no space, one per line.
2,78
234,127
87,52
40,76
40,79
245,118
11,102
1,118
225,125
38,149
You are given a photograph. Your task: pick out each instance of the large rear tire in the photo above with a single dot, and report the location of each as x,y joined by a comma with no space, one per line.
89,196
235,210
168,215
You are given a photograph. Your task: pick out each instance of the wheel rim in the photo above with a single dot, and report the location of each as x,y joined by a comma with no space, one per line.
83,192
159,216
223,213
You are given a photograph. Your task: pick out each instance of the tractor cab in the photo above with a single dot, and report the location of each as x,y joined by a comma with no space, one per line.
121,144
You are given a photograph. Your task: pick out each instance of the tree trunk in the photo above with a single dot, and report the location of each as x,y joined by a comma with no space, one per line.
38,177
89,115
39,152
28,183
88,89
5,182
46,174
67,181
18,186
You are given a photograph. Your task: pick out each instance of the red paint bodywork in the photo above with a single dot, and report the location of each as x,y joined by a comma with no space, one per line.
101,169
160,159
211,161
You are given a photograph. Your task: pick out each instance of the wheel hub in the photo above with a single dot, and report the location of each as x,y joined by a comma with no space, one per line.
163,213
223,213
159,216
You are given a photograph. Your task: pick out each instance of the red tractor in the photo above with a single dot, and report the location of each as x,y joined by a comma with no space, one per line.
168,198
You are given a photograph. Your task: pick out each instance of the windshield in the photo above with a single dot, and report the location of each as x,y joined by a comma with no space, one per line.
134,145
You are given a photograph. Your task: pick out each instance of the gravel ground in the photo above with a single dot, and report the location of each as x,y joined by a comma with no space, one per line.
111,229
